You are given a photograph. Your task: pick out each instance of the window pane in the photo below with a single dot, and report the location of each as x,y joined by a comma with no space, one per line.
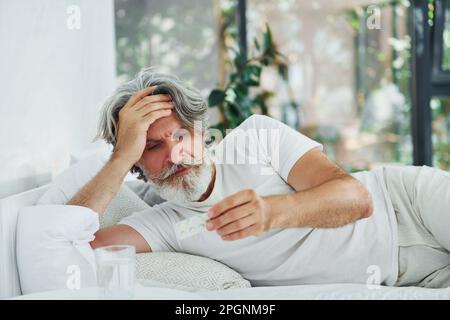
177,36
446,39
350,81
441,132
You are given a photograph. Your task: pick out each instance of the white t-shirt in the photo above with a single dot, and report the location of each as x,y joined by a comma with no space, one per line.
361,252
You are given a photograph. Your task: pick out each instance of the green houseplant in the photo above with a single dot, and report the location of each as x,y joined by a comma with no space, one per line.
235,100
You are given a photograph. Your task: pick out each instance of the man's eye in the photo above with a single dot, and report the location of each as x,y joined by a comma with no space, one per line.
152,147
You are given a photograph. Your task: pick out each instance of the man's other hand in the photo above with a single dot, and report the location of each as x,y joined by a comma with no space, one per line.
240,215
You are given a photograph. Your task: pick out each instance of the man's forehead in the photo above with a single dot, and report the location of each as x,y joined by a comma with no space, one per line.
162,127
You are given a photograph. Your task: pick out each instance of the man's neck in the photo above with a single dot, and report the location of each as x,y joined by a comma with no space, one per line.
211,184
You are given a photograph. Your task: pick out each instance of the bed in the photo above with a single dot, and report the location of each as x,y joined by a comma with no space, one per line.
10,282
9,209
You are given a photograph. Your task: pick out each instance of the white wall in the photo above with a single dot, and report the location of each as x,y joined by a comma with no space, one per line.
53,80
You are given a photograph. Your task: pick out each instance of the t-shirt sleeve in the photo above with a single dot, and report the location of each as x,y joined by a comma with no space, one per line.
281,145
156,227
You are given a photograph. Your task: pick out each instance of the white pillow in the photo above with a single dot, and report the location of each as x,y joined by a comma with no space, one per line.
67,183
52,247
123,204
187,272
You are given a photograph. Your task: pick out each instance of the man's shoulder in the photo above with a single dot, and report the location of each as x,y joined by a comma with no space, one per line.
257,121
250,133
251,126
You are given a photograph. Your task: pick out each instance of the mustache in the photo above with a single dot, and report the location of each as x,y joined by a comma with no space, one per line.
167,172
171,170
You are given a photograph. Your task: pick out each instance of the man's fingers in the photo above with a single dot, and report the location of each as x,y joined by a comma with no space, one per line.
155,115
151,99
237,225
151,107
138,95
249,231
230,202
230,216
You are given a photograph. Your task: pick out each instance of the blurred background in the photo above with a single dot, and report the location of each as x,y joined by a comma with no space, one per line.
368,79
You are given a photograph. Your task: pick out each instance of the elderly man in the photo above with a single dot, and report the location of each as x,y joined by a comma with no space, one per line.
279,211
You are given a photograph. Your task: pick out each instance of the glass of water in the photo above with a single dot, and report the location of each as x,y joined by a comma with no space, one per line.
115,271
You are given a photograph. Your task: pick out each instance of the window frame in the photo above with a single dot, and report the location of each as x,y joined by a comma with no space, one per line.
440,78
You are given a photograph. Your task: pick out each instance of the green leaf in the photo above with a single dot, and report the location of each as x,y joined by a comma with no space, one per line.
230,95
283,71
260,101
235,113
239,60
245,105
216,97
266,61
251,75
240,89
257,46
267,36
237,101
234,77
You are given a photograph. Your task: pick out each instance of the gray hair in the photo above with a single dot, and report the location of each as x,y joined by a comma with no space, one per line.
190,107
189,104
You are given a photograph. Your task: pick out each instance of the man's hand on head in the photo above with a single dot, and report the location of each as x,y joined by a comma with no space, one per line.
240,215
141,110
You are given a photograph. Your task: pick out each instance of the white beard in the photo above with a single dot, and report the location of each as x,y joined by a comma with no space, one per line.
182,189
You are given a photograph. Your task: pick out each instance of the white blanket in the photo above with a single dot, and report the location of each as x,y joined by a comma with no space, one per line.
307,292
329,291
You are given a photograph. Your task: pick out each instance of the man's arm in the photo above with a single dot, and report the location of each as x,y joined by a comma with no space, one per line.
325,197
140,111
98,193
120,234
135,117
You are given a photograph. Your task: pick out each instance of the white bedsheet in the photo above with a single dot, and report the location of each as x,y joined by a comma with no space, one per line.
329,291
303,292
